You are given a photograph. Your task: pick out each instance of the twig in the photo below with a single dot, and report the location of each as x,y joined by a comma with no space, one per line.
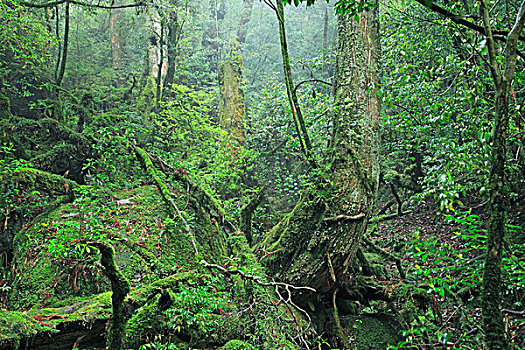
513,312
256,279
342,218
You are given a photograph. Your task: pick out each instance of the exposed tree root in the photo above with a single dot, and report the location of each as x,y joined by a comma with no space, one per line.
120,288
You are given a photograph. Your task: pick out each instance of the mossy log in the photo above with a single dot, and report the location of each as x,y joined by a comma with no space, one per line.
34,179
15,184
47,144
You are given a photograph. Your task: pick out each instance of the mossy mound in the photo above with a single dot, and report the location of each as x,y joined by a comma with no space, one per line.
16,325
52,264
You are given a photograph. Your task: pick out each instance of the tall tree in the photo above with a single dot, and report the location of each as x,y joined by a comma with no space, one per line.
315,243
502,77
117,47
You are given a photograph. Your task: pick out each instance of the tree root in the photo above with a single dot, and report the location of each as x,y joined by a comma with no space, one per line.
120,287
386,255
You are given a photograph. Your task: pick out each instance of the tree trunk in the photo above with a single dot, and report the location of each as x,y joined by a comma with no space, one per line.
231,107
493,324
174,34
155,42
245,18
325,37
297,114
115,23
63,58
314,245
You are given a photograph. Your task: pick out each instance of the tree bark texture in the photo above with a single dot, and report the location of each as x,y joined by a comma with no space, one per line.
245,18
231,107
174,35
315,244
63,59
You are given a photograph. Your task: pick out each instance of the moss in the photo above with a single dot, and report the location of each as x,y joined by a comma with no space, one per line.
87,310
16,325
5,109
372,331
148,98
292,237
31,178
237,345
231,108
120,288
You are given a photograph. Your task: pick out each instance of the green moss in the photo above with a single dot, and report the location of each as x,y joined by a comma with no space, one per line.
237,345
5,109
373,331
79,309
292,236
31,178
16,325
148,98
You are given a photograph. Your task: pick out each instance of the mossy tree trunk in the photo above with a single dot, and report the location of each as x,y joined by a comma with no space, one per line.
175,26
117,39
120,288
314,245
231,107
493,324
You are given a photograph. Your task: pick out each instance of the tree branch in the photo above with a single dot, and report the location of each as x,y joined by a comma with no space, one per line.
498,34
310,81
75,2
512,41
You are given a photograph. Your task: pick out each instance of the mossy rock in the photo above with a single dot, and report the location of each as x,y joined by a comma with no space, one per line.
372,331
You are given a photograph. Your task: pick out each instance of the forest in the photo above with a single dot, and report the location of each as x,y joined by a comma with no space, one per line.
271,174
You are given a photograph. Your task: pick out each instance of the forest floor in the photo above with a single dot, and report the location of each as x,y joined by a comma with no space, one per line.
444,256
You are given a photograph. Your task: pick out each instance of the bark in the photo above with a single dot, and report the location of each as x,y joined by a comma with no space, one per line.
247,211
162,66
154,44
304,249
211,37
120,288
297,114
231,107
325,36
174,34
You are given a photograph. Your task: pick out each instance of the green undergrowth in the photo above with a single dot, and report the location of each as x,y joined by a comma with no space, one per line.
174,298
